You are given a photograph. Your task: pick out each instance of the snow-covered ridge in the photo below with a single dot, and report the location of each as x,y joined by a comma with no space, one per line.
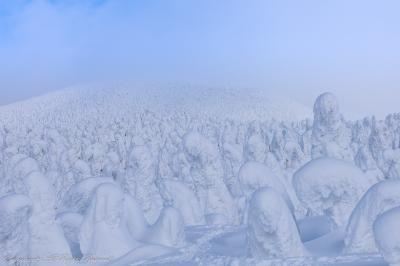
244,104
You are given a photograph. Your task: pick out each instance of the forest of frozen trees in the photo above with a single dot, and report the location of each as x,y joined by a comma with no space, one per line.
104,181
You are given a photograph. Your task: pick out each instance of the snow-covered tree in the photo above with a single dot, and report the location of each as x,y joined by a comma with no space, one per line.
330,136
272,231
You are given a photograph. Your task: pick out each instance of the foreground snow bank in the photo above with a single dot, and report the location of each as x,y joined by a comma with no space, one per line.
15,211
378,199
142,255
70,223
387,236
330,187
168,230
46,235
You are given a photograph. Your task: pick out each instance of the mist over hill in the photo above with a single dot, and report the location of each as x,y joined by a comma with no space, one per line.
242,104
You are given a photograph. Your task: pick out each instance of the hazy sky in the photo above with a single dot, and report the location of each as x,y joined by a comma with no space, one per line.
296,48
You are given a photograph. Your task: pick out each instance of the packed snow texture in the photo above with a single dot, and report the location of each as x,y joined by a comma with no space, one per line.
272,230
378,199
15,211
195,177
331,187
387,235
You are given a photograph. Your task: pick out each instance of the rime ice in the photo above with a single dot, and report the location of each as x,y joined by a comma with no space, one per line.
212,179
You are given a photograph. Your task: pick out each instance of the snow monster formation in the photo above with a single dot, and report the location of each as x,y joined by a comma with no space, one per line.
330,137
141,177
253,176
128,183
15,211
114,225
168,231
208,180
179,196
379,198
104,232
330,187
272,230
46,235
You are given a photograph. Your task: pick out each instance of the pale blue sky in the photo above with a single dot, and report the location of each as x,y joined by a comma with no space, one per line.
287,47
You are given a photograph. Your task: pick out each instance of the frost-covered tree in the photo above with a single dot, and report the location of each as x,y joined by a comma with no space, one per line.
207,177
178,195
103,231
272,231
330,136
330,187
168,230
140,179
198,168
46,235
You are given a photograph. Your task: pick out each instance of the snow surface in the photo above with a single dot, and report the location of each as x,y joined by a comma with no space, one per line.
195,177
387,235
378,199
15,211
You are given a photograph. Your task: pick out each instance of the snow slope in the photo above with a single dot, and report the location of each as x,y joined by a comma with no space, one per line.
189,176
244,104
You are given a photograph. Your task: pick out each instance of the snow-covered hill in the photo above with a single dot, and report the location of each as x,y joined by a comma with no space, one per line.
185,176
237,104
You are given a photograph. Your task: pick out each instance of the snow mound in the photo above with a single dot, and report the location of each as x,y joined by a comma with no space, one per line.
134,218
254,175
178,195
330,187
378,199
15,211
103,231
168,230
272,230
25,166
46,235
71,223
142,255
387,236
77,199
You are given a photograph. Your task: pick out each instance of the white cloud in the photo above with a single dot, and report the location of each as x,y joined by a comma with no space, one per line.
284,47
